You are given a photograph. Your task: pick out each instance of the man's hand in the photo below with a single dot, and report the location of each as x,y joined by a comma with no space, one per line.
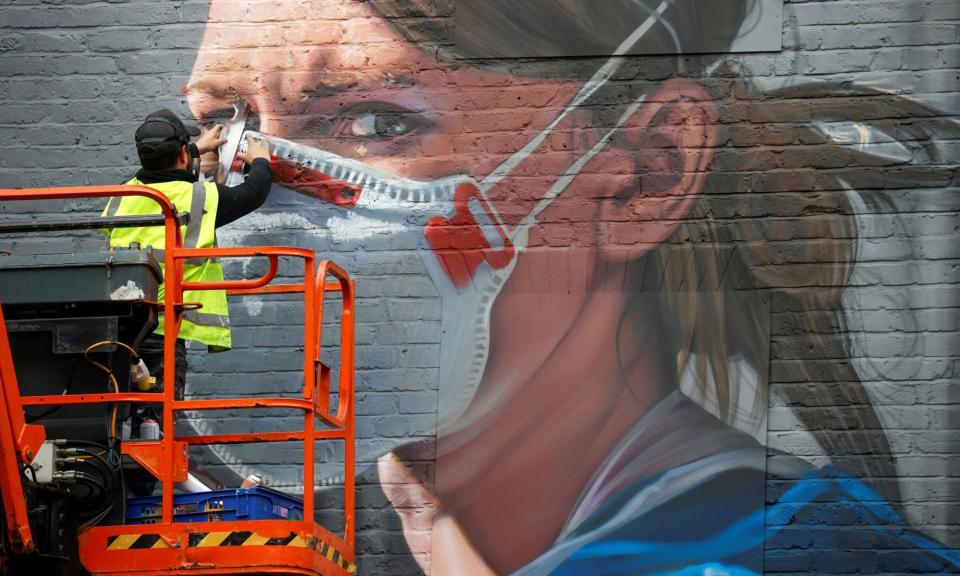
208,144
210,139
255,149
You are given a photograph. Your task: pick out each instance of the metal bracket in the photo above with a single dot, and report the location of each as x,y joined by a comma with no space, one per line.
150,456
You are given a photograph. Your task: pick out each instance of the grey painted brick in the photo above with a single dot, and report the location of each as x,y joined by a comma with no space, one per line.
42,42
408,332
418,403
372,404
56,65
881,35
153,62
389,379
851,13
133,14
117,40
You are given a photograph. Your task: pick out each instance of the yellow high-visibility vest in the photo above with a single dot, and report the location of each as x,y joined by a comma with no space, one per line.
211,323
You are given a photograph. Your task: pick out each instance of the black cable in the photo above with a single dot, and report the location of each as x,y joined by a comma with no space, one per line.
91,494
101,503
86,443
96,519
106,471
97,502
66,390
98,514
98,457
95,487
83,479
83,476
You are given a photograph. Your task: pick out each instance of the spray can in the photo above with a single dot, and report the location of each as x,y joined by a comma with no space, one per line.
149,430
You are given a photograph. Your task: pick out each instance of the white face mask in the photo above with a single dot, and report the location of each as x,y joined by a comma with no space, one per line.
465,246
467,249
462,242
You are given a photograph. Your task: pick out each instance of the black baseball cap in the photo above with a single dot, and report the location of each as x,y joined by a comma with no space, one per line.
161,134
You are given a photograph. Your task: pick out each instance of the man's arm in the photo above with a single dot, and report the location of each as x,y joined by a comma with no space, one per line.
242,199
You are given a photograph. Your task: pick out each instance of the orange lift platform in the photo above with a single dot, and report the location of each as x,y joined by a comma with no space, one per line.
232,547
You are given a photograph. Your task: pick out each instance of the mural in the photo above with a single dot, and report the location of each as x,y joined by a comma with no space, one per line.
606,238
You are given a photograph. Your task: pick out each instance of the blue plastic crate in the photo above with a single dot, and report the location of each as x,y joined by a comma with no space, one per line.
257,503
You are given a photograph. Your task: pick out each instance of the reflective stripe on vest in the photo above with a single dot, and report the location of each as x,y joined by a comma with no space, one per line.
209,324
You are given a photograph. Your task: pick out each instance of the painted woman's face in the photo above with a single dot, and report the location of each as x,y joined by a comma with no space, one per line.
504,183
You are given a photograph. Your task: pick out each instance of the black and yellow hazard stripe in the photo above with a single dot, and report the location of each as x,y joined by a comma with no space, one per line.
136,542
334,555
230,538
246,538
241,538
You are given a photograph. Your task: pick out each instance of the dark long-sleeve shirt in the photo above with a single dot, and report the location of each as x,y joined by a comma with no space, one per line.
235,201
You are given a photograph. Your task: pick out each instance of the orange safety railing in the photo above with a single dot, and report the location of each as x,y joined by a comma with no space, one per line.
19,443
310,548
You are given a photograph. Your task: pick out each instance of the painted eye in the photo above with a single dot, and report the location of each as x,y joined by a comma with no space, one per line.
377,128
380,125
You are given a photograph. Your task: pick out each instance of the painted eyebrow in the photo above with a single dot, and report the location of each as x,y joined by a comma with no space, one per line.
323,89
209,87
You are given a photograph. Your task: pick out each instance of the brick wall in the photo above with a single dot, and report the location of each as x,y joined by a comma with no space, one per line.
840,149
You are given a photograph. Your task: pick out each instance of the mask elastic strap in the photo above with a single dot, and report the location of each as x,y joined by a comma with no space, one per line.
599,78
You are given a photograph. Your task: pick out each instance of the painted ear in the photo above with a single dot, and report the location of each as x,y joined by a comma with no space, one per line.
667,150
